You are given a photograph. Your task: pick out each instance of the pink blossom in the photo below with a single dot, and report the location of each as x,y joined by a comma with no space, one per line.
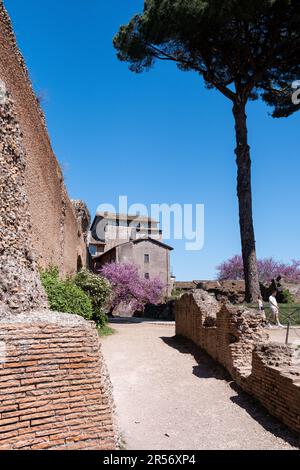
268,269
130,287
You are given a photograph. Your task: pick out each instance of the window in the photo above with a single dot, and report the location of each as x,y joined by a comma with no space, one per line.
147,259
147,276
93,250
79,264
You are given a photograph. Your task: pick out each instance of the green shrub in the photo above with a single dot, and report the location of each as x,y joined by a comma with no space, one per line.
288,297
99,291
65,296
105,330
176,294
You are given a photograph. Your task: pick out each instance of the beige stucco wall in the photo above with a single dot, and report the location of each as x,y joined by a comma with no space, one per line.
115,235
159,265
56,237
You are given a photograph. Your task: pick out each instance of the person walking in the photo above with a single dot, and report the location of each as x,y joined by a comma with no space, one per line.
261,309
274,308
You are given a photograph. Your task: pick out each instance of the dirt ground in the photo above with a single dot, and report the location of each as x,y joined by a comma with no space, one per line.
279,335
169,395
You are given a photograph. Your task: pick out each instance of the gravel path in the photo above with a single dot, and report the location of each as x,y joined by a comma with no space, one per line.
279,335
169,395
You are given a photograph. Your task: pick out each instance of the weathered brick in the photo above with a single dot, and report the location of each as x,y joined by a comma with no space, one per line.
248,359
12,427
49,395
8,408
13,365
8,435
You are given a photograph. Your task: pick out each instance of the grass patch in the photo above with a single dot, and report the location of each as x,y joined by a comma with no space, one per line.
123,444
290,312
105,330
287,311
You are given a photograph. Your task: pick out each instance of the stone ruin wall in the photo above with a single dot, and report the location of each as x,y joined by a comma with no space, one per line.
55,392
58,239
20,288
233,336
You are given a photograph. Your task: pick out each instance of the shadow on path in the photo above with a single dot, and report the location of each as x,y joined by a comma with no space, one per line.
209,368
252,406
133,320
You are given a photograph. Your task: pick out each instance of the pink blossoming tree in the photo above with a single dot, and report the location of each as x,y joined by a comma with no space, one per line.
268,269
130,288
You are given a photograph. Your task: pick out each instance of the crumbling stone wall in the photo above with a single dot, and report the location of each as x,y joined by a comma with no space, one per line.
233,336
83,216
58,238
226,332
55,392
275,381
20,287
229,291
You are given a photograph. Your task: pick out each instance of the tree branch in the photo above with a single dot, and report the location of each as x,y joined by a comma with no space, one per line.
162,55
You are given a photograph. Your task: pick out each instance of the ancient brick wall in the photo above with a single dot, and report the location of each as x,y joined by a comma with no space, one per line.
233,336
58,239
55,391
275,381
54,388
20,287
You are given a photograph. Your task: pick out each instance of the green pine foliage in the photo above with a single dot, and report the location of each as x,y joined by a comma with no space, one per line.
245,49
288,297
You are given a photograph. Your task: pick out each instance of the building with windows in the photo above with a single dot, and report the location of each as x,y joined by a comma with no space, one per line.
134,239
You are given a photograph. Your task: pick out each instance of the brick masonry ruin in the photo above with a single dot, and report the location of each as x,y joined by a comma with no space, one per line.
55,392
58,237
20,287
233,336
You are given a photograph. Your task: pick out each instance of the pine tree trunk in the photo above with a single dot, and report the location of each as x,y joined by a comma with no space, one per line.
245,202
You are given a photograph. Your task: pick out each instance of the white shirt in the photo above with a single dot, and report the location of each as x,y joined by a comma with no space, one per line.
273,302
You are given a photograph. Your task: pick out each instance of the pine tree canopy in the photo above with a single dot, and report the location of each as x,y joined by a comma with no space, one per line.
244,48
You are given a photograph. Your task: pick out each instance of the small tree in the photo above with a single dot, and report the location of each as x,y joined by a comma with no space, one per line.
268,269
232,269
130,288
99,291
64,295
244,49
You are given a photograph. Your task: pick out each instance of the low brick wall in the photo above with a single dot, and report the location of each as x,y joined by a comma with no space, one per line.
275,381
55,392
268,371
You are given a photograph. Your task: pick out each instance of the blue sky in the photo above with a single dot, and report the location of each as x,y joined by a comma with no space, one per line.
157,137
